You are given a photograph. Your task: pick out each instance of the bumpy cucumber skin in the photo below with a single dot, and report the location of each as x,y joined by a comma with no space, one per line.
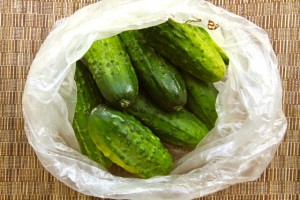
111,67
180,128
88,97
205,35
128,143
202,100
181,45
161,80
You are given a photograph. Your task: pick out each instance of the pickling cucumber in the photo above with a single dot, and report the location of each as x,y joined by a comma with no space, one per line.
112,70
186,49
128,143
205,35
88,97
202,99
159,78
180,128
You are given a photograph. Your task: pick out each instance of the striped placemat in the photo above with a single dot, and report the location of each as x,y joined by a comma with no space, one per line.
24,24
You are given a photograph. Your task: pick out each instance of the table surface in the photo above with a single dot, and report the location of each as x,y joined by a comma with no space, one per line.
24,24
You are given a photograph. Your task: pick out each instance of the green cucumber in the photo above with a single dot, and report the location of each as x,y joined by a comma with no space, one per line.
159,78
202,99
112,70
205,35
180,128
182,46
88,97
128,143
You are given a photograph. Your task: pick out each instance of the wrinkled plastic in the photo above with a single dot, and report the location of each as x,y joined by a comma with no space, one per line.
250,124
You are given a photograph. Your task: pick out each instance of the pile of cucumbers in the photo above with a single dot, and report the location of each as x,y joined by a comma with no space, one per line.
142,88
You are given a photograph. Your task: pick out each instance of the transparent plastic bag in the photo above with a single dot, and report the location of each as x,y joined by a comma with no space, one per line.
250,124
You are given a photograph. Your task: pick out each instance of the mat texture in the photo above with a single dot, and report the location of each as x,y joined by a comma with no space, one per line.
24,24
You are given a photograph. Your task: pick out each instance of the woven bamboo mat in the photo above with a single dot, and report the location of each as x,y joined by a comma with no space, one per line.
24,24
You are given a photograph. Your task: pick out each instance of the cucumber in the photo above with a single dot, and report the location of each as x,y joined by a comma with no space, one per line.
186,49
180,128
159,78
205,35
111,67
88,97
202,99
128,143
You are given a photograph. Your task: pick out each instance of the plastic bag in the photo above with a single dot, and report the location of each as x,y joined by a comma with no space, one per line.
250,124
